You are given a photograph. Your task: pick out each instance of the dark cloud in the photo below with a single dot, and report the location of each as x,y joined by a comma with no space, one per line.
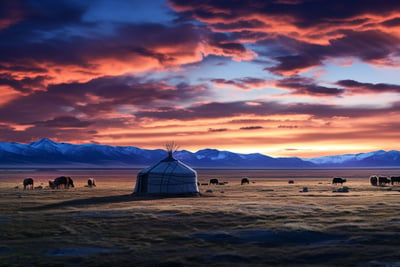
11,12
312,31
246,83
303,13
370,46
56,33
231,109
95,97
48,14
392,22
306,86
366,45
369,87
24,85
21,68
222,41
248,24
7,79
251,128
294,63
217,130
63,122
120,45
223,45
42,32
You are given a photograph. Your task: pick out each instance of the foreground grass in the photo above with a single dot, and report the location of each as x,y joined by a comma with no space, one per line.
264,223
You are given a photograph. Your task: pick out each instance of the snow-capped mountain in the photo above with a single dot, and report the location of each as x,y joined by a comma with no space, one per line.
379,158
47,153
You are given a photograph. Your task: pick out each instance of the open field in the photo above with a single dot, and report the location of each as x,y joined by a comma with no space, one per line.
268,222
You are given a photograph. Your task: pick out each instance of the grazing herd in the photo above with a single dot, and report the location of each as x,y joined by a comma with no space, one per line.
215,181
383,180
65,182
62,182
375,181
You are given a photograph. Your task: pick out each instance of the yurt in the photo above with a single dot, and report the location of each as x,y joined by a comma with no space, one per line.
168,177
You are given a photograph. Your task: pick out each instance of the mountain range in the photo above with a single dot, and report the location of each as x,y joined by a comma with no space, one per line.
47,153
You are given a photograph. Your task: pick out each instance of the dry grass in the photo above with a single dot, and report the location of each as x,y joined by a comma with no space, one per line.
268,222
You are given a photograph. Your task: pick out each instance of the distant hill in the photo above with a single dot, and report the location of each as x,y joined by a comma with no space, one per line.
47,153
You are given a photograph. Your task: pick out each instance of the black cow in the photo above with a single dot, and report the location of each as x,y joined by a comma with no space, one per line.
91,182
245,180
395,179
373,180
383,180
28,183
338,180
214,181
62,180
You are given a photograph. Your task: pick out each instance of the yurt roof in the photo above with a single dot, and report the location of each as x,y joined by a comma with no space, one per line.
170,165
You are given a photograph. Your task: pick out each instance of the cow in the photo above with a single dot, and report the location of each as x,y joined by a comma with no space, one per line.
245,180
91,182
338,180
28,183
373,180
383,180
214,181
62,180
395,179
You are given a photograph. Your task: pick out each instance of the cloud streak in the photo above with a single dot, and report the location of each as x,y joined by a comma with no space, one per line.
359,87
306,86
247,83
231,109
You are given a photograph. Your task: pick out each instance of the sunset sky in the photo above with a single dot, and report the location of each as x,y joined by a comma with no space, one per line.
280,77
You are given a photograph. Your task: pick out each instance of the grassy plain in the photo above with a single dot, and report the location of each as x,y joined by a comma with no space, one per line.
268,222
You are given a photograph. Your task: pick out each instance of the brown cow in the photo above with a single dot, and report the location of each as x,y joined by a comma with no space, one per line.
383,180
91,182
338,180
214,181
245,180
62,180
28,183
395,179
373,180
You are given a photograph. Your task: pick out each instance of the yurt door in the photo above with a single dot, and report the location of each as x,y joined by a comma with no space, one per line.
143,183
